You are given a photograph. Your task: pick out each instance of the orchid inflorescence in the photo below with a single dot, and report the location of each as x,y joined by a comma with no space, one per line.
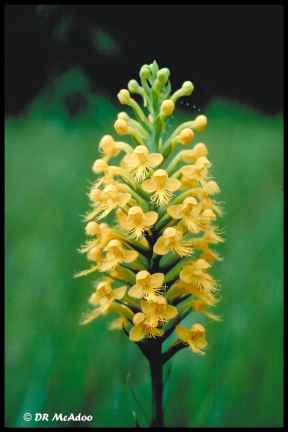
156,253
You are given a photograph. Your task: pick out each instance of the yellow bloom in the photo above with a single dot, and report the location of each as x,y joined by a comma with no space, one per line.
107,200
137,222
189,213
141,330
202,243
147,285
195,273
200,305
171,240
110,148
101,231
115,255
94,254
199,150
195,337
162,186
140,163
198,172
105,295
157,311
102,299
118,323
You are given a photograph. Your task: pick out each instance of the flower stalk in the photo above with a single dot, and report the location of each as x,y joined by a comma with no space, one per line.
153,262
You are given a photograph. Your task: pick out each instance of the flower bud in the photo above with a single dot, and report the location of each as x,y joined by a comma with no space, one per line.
133,86
167,107
187,88
123,116
121,127
186,136
124,96
201,122
163,75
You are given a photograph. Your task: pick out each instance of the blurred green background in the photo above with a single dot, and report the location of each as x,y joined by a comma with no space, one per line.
53,365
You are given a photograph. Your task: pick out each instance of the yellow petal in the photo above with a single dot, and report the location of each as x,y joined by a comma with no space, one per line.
156,280
136,291
149,185
170,312
187,275
138,318
119,292
172,185
160,247
175,211
150,218
137,334
129,256
154,159
85,272
124,198
188,171
89,316
182,333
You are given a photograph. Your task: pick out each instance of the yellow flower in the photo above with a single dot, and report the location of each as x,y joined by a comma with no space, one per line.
115,255
140,163
195,273
171,240
118,323
110,148
200,305
137,222
141,330
101,231
105,295
157,311
195,337
202,243
132,247
107,200
147,285
102,299
199,150
162,186
198,172
94,254
189,213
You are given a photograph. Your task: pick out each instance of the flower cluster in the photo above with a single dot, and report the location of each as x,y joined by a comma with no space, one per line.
156,255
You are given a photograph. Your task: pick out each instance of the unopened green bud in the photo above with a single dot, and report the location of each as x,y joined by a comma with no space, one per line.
133,86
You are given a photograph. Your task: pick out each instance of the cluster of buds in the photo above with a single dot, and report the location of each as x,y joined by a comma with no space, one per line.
156,255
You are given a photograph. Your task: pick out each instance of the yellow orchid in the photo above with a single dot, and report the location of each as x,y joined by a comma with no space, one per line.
171,240
136,222
157,311
141,330
147,285
107,200
111,148
162,186
115,255
141,162
157,199
189,213
195,337
196,274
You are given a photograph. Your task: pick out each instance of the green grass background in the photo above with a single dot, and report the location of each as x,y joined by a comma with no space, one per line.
53,365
